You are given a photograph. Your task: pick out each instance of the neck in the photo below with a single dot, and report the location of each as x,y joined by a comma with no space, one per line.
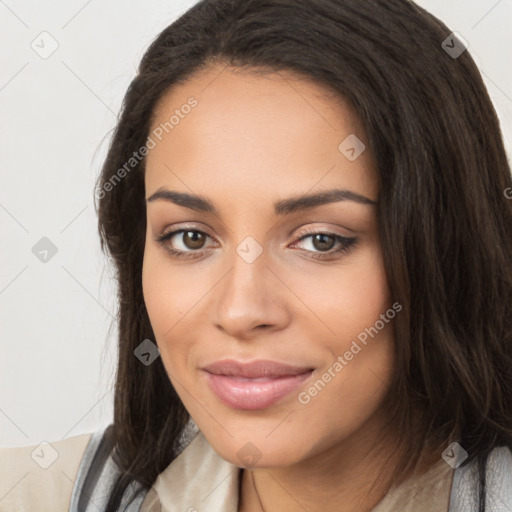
298,489
353,476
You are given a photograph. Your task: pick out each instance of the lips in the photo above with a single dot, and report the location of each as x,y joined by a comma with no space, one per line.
255,385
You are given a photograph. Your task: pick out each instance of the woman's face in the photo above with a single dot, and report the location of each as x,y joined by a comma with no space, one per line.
298,289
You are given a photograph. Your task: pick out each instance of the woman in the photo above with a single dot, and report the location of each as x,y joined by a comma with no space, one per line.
306,205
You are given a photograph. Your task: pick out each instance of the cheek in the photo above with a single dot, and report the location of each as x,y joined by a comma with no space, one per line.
156,286
351,402
167,298
169,292
352,385
341,300
173,295
356,308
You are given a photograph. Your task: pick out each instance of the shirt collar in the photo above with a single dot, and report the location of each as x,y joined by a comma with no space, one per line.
199,479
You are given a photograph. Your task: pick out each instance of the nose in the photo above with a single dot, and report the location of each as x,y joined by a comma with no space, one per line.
250,298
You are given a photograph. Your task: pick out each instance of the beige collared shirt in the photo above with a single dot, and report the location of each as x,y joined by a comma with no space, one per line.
40,478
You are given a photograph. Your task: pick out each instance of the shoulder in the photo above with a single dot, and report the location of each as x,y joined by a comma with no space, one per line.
42,474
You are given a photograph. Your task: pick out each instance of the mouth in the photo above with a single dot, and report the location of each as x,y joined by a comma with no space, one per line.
255,385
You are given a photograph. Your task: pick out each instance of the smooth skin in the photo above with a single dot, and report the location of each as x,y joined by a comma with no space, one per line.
254,139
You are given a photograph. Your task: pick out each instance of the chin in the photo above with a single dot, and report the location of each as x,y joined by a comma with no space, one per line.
257,453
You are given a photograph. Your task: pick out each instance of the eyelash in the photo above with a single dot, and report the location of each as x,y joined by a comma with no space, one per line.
347,244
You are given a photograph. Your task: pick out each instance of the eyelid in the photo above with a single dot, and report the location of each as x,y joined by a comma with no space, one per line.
177,229
319,229
185,227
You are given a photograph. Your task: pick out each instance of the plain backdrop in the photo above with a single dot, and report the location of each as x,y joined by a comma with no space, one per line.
58,333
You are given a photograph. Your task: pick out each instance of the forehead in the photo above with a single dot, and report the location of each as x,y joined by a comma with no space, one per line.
268,133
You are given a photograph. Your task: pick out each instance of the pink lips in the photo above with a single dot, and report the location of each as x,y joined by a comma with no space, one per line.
254,385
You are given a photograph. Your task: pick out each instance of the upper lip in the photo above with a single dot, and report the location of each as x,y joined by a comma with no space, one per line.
254,369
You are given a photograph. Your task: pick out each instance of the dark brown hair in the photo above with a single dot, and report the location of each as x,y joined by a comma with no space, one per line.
445,223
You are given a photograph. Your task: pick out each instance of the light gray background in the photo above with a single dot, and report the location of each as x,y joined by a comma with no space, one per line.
58,338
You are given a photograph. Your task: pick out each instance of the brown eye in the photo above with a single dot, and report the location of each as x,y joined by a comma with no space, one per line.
183,243
322,245
323,242
193,239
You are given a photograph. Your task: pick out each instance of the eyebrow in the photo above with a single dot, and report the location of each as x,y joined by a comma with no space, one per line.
282,207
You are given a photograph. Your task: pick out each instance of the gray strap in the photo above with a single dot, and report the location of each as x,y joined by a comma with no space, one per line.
463,496
96,475
83,469
498,490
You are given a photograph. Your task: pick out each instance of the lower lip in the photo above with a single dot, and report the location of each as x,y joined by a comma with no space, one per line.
252,394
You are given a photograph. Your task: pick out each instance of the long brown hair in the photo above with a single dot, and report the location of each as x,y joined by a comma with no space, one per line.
444,219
